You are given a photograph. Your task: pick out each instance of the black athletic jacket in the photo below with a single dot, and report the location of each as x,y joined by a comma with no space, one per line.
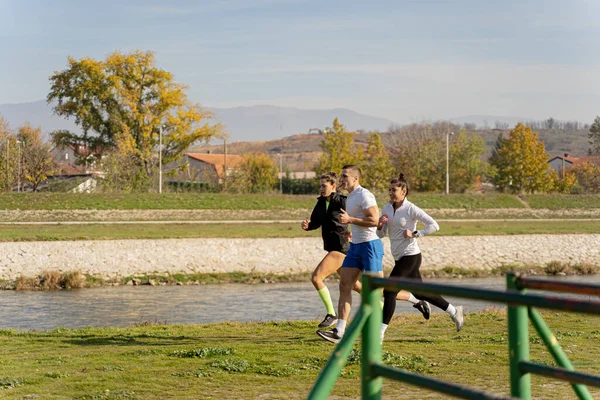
332,230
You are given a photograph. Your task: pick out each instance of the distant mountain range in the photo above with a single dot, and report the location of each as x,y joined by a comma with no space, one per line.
242,123
271,122
254,123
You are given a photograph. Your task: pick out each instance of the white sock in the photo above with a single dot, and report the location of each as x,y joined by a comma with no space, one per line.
413,299
451,311
341,327
383,328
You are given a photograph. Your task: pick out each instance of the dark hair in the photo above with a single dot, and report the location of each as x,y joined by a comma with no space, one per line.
354,168
401,182
330,177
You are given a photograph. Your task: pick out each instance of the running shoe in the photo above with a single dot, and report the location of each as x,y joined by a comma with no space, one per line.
424,307
459,318
331,336
329,321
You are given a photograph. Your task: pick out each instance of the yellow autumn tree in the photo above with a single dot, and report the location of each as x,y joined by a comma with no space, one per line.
377,169
121,168
587,175
564,184
338,149
522,162
466,166
8,156
256,174
126,94
37,161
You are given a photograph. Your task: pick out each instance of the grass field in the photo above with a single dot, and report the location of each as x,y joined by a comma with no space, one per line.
150,201
168,201
274,360
276,230
557,202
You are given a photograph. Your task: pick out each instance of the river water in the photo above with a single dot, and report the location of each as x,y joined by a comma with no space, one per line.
130,305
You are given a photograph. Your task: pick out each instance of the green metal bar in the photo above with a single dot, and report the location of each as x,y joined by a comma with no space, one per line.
518,345
434,384
339,356
556,350
510,296
555,286
368,319
561,374
371,384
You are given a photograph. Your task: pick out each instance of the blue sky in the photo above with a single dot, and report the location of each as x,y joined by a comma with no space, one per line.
402,60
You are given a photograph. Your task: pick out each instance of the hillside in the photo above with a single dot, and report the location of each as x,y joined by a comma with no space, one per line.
557,142
299,152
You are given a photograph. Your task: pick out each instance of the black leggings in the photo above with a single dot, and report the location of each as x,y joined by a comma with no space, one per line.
408,267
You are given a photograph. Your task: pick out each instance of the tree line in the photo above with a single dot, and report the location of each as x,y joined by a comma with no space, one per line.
518,163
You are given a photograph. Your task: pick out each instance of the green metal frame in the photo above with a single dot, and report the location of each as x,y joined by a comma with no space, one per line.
520,310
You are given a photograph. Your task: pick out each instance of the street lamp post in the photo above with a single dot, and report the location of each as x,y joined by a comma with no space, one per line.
160,128
448,161
18,166
280,174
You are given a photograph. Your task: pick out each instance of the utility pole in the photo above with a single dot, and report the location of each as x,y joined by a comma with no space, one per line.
160,132
225,163
19,166
280,173
563,164
7,156
448,161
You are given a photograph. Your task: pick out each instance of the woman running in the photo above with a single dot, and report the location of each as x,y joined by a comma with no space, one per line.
399,219
326,215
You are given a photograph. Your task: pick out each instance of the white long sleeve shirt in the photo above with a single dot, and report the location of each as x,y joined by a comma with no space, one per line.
406,217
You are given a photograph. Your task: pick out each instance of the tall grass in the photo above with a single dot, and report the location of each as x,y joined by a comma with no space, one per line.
52,280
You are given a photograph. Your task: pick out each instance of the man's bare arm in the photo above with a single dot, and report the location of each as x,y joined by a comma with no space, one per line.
371,218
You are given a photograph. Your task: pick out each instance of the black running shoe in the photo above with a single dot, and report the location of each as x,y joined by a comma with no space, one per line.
331,336
329,321
424,307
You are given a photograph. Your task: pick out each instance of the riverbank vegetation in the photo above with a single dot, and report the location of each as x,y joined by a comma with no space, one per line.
54,280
